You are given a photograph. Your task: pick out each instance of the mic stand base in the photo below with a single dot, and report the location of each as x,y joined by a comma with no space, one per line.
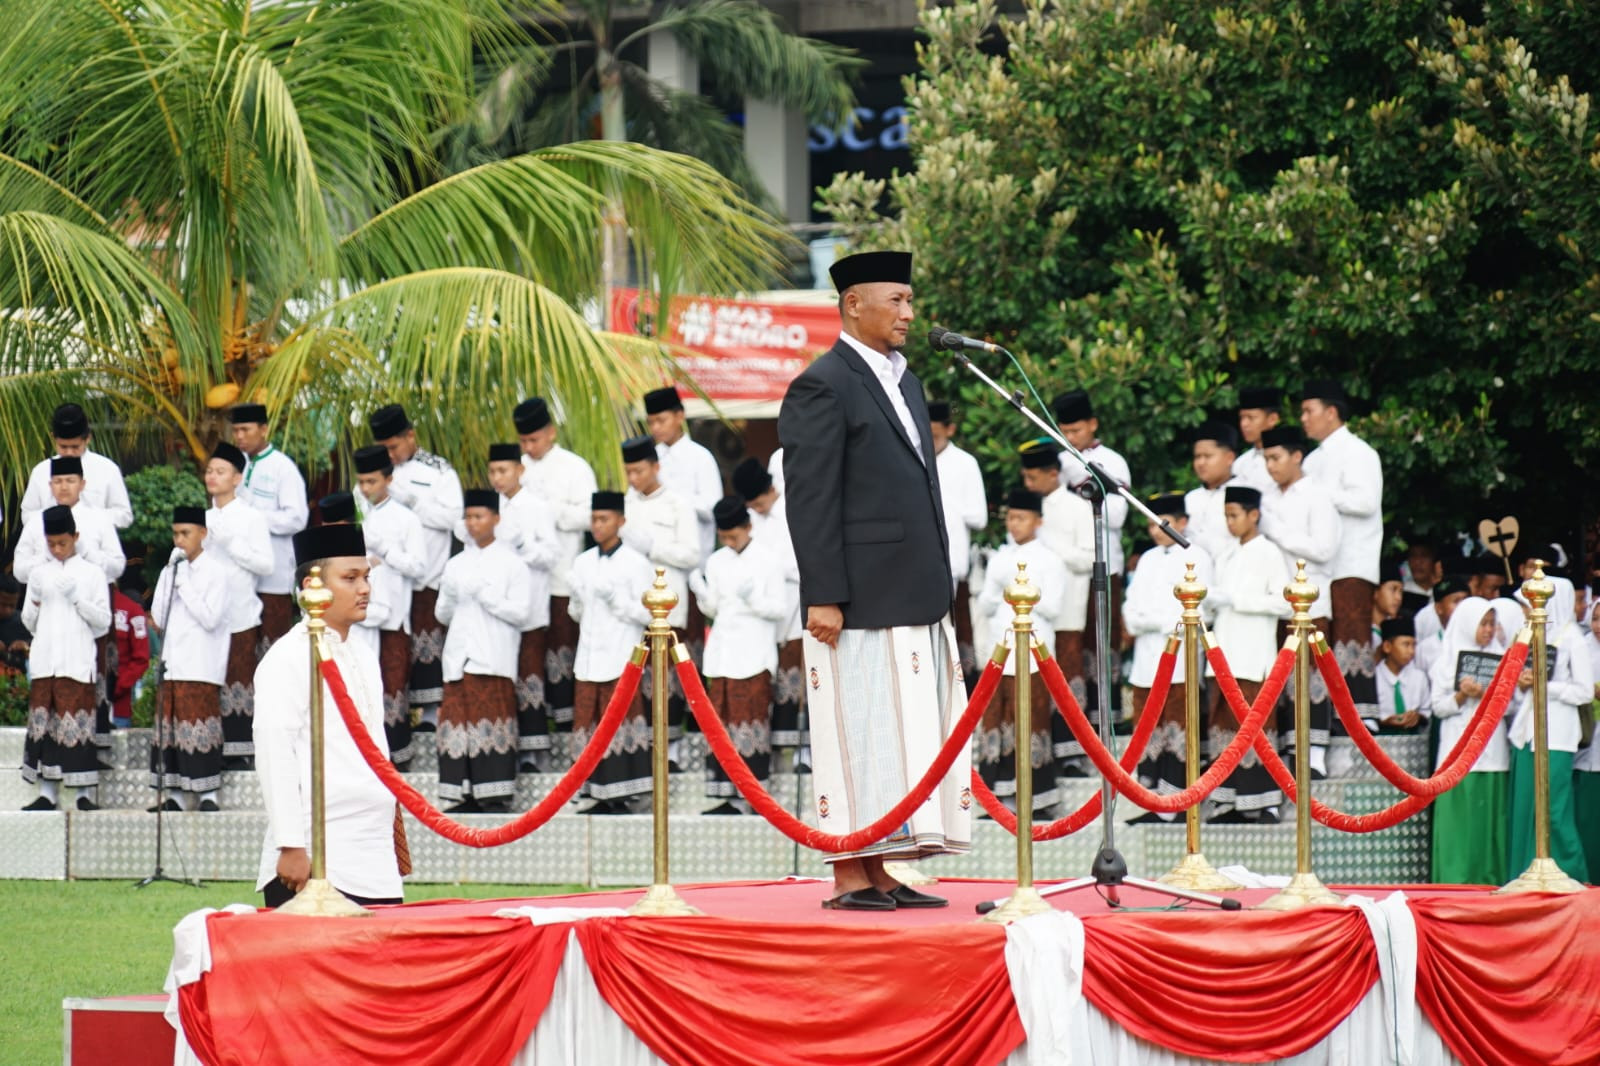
1108,874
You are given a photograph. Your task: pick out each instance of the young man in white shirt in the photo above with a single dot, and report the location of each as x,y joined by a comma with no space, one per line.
687,467
274,487
742,592
998,732
566,483
104,487
1151,613
966,511
608,585
769,524
528,528
1216,444
190,611
426,484
1299,517
1260,409
1247,597
484,599
362,833
399,557
66,610
237,538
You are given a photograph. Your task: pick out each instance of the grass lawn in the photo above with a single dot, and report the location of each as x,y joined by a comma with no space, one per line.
103,938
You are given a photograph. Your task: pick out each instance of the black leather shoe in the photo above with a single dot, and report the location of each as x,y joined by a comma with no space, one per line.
87,804
466,806
862,899
909,898
209,806
40,804
170,805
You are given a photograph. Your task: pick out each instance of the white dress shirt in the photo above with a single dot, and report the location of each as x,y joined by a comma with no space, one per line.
688,469
1074,473
359,811
238,540
273,486
1247,599
97,544
662,527
1068,531
775,469
1208,520
190,608
888,370
1414,690
398,551
1250,468
529,530
1046,573
772,529
1150,610
66,609
1352,473
744,593
608,603
428,485
484,600
966,507
566,484
103,487
1302,522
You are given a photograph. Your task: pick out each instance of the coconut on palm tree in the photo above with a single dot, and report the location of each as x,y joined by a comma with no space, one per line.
209,200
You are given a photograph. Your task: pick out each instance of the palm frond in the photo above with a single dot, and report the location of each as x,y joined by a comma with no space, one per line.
681,121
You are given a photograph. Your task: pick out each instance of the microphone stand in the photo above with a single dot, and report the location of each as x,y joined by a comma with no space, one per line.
164,728
1109,871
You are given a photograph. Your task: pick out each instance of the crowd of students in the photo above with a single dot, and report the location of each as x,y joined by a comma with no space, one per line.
500,614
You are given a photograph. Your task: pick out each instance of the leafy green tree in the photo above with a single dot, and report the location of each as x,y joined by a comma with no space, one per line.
1160,202
211,200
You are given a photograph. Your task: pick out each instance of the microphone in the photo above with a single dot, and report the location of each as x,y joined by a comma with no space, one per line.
944,340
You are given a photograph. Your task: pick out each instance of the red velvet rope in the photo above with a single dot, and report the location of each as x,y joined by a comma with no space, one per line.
1061,827
733,765
1457,763
524,823
1249,729
1392,772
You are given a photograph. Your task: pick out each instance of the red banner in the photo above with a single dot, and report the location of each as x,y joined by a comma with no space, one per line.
738,350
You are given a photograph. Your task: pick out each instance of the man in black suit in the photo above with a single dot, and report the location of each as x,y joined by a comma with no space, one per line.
867,523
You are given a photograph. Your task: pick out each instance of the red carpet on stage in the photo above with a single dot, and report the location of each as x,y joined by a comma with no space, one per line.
770,976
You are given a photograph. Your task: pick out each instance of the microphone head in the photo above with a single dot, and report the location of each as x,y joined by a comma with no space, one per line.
936,335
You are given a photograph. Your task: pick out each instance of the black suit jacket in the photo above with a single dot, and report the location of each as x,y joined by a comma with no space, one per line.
864,512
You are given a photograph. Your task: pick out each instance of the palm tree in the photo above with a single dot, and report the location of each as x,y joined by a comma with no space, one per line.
742,49
205,200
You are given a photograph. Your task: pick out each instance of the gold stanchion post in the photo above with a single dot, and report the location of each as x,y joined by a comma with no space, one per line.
1305,888
1542,875
660,900
1193,871
1025,900
318,896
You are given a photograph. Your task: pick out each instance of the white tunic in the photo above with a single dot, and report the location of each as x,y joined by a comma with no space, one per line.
1074,473
1208,522
273,486
1569,689
607,602
1150,610
775,470
428,485
484,600
1352,473
97,544
745,594
1068,531
1047,573
966,507
1454,719
772,529
103,487
237,538
662,527
1302,522
190,608
567,485
359,810
66,610
688,469
398,551
1247,599
529,529
1250,468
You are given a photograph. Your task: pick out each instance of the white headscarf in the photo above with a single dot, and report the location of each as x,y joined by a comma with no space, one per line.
1462,635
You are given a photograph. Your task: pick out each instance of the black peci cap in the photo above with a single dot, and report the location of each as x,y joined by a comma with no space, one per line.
531,415
328,542
486,498
864,268
388,421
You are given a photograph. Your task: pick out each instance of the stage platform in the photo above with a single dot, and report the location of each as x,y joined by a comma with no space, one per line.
1422,975
119,841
